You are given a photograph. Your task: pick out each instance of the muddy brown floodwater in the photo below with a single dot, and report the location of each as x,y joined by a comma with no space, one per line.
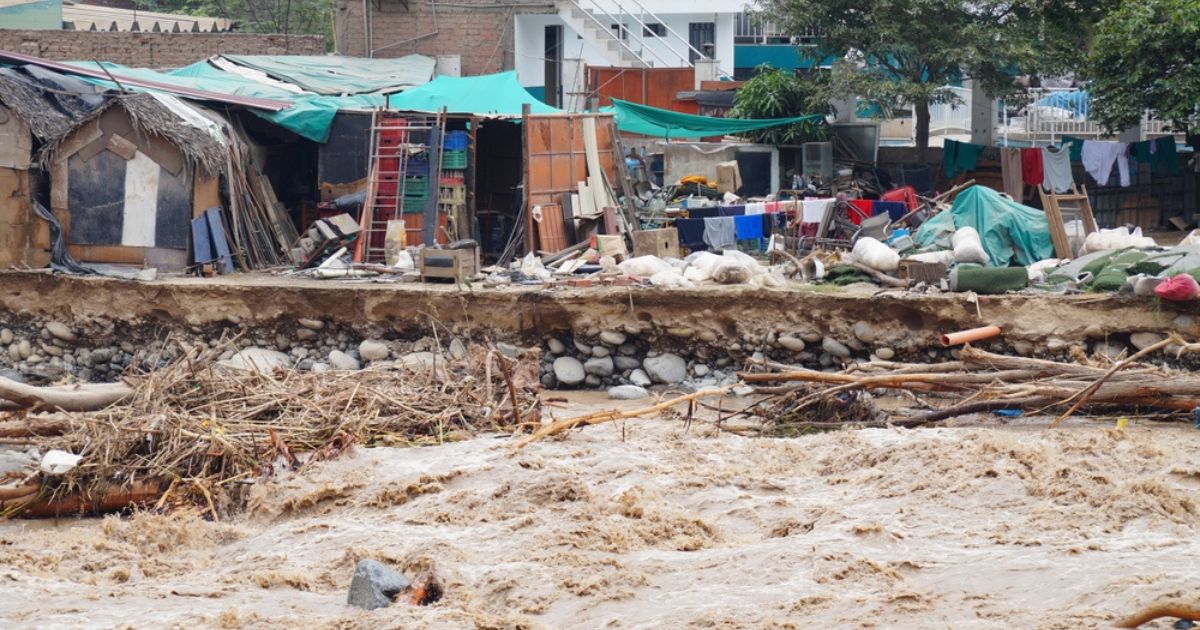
653,525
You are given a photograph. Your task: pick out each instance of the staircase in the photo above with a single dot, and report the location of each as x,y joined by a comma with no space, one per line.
596,32
594,22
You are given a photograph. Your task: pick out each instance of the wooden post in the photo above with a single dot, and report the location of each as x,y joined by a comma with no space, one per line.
530,245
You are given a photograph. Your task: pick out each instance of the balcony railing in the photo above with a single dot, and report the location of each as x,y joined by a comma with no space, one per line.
748,29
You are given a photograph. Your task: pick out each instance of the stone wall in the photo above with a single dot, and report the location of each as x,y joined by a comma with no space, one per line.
154,50
480,32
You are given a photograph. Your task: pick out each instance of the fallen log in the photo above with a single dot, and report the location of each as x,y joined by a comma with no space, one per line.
1090,390
83,397
40,504
34,426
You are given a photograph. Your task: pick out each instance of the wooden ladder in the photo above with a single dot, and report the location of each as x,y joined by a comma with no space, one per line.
397,142
1076,203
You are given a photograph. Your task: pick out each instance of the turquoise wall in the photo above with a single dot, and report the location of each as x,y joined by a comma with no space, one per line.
39,14
538,92
783,56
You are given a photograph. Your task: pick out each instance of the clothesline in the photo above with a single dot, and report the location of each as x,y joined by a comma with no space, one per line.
1050,167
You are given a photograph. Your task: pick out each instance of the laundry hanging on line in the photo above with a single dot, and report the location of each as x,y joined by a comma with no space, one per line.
958,157
1031,167
1098,158
1056,170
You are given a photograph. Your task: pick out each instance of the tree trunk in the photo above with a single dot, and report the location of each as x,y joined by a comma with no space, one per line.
86,397
921,133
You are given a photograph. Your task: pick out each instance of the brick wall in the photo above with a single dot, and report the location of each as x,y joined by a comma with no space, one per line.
154,50
479,31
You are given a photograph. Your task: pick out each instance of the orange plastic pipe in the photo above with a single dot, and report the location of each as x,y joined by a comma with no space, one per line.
967,336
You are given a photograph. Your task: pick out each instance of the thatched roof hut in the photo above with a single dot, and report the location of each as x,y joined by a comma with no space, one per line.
127,180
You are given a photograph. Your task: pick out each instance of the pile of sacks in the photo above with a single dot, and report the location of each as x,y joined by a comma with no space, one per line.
728,267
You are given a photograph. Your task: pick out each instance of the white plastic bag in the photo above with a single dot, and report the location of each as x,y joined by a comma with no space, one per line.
1037,271
875,254
1115,238
532,266
644,266
404,260
946,257
967,246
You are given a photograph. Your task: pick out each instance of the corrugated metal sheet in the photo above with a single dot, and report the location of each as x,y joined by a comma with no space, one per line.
66,68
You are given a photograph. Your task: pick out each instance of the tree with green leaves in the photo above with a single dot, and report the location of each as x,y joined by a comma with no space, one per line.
907,51
775,93
1147,56
291,17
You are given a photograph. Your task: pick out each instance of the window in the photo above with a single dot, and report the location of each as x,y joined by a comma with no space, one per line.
654,30
620,31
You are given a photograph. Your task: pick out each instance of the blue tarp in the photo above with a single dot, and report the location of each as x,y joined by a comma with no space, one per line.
1078,103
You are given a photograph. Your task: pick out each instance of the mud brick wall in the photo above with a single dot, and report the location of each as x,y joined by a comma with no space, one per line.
154,50
480,31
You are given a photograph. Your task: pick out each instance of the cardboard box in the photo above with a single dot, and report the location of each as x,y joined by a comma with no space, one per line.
729,177
611,245
663,243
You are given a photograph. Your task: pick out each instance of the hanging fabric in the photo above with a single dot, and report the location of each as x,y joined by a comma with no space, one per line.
1031,166
691,233
860,209
748,227
1158,152
1056,170
1098,158
1074,146
719,233
958,157
1011,174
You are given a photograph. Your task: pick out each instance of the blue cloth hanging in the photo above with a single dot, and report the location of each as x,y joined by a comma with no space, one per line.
748,227
691,233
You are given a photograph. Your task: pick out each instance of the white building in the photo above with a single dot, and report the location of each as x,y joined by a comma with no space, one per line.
552,49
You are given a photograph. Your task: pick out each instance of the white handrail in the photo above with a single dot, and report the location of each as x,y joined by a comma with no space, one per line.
605,28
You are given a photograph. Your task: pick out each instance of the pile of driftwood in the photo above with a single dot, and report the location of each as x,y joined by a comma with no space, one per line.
791,400
979,382
199,433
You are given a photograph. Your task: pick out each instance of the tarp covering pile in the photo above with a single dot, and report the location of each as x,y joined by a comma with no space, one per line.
664,123
1009,231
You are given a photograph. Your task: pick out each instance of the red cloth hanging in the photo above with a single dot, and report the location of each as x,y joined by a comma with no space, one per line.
1031,166
860,209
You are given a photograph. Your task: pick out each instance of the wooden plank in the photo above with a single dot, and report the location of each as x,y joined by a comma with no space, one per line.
594,178
206,193
93,148
121,146
217,234
115,254
82,137
552,236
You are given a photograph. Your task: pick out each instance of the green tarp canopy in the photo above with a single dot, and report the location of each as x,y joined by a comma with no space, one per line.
335,74
497,94
664,123
1008,230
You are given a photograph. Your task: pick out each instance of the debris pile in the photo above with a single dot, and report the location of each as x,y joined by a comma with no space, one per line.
201,433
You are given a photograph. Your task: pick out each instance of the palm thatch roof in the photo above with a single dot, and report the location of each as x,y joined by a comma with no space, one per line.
151,117
41,102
